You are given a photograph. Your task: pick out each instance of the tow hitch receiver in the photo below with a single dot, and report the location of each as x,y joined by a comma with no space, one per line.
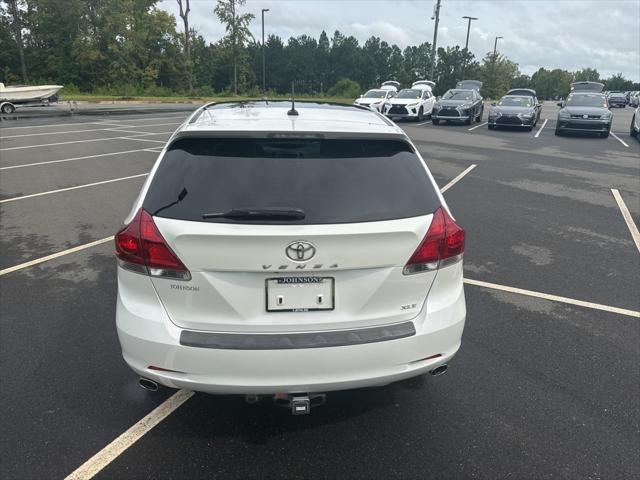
300,405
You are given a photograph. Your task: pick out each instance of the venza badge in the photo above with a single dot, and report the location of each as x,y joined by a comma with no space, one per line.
300,251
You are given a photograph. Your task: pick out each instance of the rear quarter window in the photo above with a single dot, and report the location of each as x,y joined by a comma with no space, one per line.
332,181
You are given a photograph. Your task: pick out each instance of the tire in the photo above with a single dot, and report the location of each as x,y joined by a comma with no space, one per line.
481,114
435,121
420,114
529,128
605,134
469,120
558,132
632,130
491,127
8,108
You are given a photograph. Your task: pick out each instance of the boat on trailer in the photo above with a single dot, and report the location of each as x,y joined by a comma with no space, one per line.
12,95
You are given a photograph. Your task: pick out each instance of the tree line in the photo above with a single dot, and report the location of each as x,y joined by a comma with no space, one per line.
131,47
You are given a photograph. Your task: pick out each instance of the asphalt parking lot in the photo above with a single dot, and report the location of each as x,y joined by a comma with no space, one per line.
546,384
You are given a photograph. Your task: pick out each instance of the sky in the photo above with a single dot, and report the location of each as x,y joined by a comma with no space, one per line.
568,34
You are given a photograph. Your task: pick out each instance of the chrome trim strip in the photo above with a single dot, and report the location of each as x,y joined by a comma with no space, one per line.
284,341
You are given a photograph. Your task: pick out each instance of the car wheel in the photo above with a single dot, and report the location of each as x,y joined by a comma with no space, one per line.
491,127
605,134
558,132
420,114
435,121
469,120
481,114
8,108
632,130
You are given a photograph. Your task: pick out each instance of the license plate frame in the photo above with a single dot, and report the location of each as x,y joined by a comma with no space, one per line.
327,286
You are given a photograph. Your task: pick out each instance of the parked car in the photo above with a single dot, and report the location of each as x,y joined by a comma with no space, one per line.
413,103
588,86
634,130
461,104
515,110
265,256
617,99
634,99
375,98
584,111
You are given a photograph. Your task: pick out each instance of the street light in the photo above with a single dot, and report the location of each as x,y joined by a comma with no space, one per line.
264,82
436,17
466,45
495,45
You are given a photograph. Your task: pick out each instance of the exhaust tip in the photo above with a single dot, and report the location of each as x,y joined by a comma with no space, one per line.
441,370
148,384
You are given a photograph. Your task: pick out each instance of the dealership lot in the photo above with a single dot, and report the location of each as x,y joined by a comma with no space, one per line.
541,387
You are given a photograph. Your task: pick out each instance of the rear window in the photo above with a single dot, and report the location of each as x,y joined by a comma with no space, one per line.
332,181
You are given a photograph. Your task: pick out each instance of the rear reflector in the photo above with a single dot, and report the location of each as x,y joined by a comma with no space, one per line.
442,245
141,248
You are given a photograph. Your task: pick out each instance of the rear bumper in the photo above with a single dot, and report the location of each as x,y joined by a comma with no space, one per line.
149,338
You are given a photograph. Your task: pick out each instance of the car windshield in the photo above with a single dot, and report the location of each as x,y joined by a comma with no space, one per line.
516,102
330,180
457,95
617,95
375,94
409,93
587,100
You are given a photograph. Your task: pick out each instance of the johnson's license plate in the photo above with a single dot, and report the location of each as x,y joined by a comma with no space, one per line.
300,294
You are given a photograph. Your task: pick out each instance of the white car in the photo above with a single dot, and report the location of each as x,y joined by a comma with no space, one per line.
634,130
414,103
375,98
286,253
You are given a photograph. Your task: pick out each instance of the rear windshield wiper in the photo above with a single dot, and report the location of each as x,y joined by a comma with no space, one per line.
269,213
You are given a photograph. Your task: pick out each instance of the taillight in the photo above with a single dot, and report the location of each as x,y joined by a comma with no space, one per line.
141,248
442,245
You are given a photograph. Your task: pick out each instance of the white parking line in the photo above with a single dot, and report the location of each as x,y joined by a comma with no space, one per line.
633,229
478,126
31,263
24,197
541,127
457,179
131,137
112,451
143,139
424,123
553,298
619,139
75,158
112,128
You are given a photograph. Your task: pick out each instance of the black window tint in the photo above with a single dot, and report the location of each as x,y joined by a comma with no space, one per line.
333,181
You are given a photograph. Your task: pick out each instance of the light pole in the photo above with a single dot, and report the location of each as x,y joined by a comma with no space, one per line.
495,45
264,81
466,45
436,16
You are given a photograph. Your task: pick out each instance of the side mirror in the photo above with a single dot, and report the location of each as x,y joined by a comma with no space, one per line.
438,98
360,96
493,104
560,104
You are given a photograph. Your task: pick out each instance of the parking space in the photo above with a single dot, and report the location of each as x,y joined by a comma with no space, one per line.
541,386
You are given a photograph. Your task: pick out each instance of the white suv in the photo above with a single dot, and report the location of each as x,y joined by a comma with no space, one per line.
275,251
415,103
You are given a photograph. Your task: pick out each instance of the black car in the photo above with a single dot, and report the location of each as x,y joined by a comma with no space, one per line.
584,111
461,104
518,108
617,99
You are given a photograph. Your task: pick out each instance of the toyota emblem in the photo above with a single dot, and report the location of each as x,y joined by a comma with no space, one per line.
300,251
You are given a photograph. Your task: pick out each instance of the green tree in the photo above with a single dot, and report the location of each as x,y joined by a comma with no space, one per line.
587,74
238,35
497,73
16,13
